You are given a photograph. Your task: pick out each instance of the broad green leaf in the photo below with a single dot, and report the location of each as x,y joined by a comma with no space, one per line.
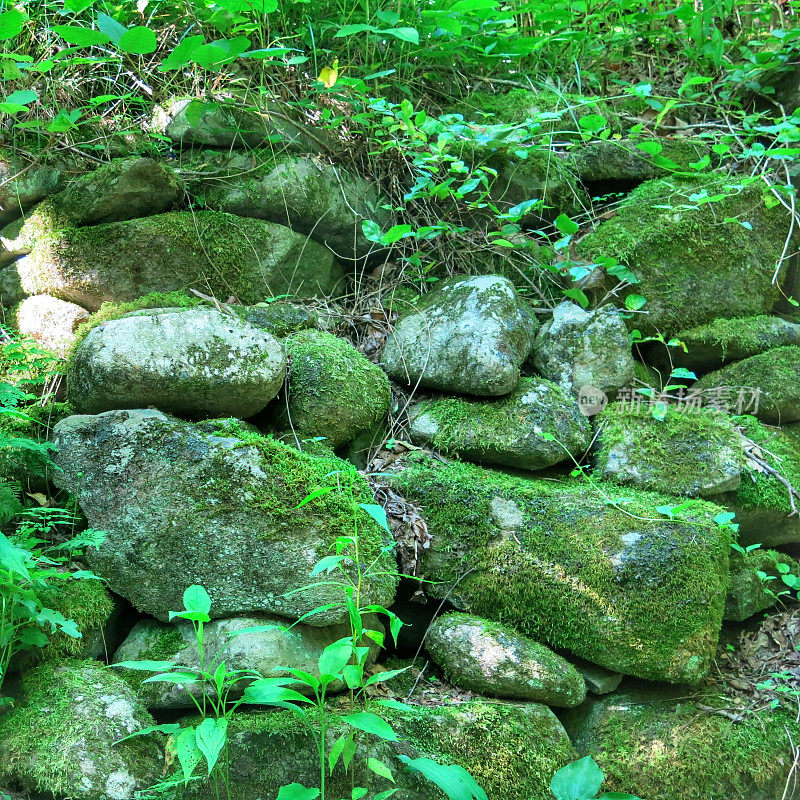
650,147
314,495
566,225
145,666
211,736
580,780
268,692
592,123
81,37
634,302
196,599
371,230
110,27
453,780
349,30
11,23
296,791
183,678
336,751
334,658
371,723
377,513
379,768
404,34
182,54
76,6
263,6
13,558
138,41
188,752
168,728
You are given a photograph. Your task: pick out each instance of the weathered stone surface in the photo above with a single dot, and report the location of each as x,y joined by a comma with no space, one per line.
184,507
256,651
283,319
663,746
750,593
696,453
580,348
511,750
615,585
11,244
494,660
332,390
324,201
771,380
693,269
121,190
194,362
470,335
507,430
219,254
62,738
598,680
50,321
11,291
24,183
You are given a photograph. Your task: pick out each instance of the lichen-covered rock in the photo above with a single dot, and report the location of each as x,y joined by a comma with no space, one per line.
494,660
332,390
11,244
614,584
578,348
763,504
469,335
217,253
690,266
24,183
257,650
50,321
534,427
283,319
510,749
195,362
308,195
184,507
11,291
770,383
689,452
668,748
751,592
121,190
188,121
710,346
62,738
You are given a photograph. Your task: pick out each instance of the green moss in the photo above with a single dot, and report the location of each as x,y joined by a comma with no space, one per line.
540,556
739,337
749,593
165,643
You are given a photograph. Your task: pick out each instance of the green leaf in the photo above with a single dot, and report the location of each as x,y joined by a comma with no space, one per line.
211,736
196,599
335,657
296,791
138,41
314,495
453,780
169,728
110,27
578,296
592,123
580,780
650,147
379,768
377,513
618,796
81,37
336,751
404,34
76,6
682,372
349,30
145,666
371,230
263,6
566,225
188,752
182,54
11,23
270,692
13,558
634,302
371,723
183,678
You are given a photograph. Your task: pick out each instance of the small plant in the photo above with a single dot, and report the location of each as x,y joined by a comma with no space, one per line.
581,780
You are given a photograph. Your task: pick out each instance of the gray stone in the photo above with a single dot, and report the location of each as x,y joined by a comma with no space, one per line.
50,321
63,740
749,592
11,291
507,430
580,348
255,651
598,680
183,507
324,201
469,335
332,390
494,660
283,319
194,361
217,253
695,453
12,245
24,183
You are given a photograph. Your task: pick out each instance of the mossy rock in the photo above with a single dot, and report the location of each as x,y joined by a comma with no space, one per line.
510,749
534,427
617,585
749,592
23,183
283,319
62,737
711,346
219,254
50,322
494,660
332,390
770,383
11,291
182,507
691,266
693,452
666,748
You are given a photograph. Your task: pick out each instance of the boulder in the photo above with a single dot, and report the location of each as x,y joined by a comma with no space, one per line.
578,349
510,749
494,660
666,747
691,267
324,201
24,183
616,584
50,321
766,385
12,246
63,738
11,291
195,362
332,390
122,190
695,452
534,427
711,346
220,254
283,319
598,680
756,583
183,507
260,651
470,335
